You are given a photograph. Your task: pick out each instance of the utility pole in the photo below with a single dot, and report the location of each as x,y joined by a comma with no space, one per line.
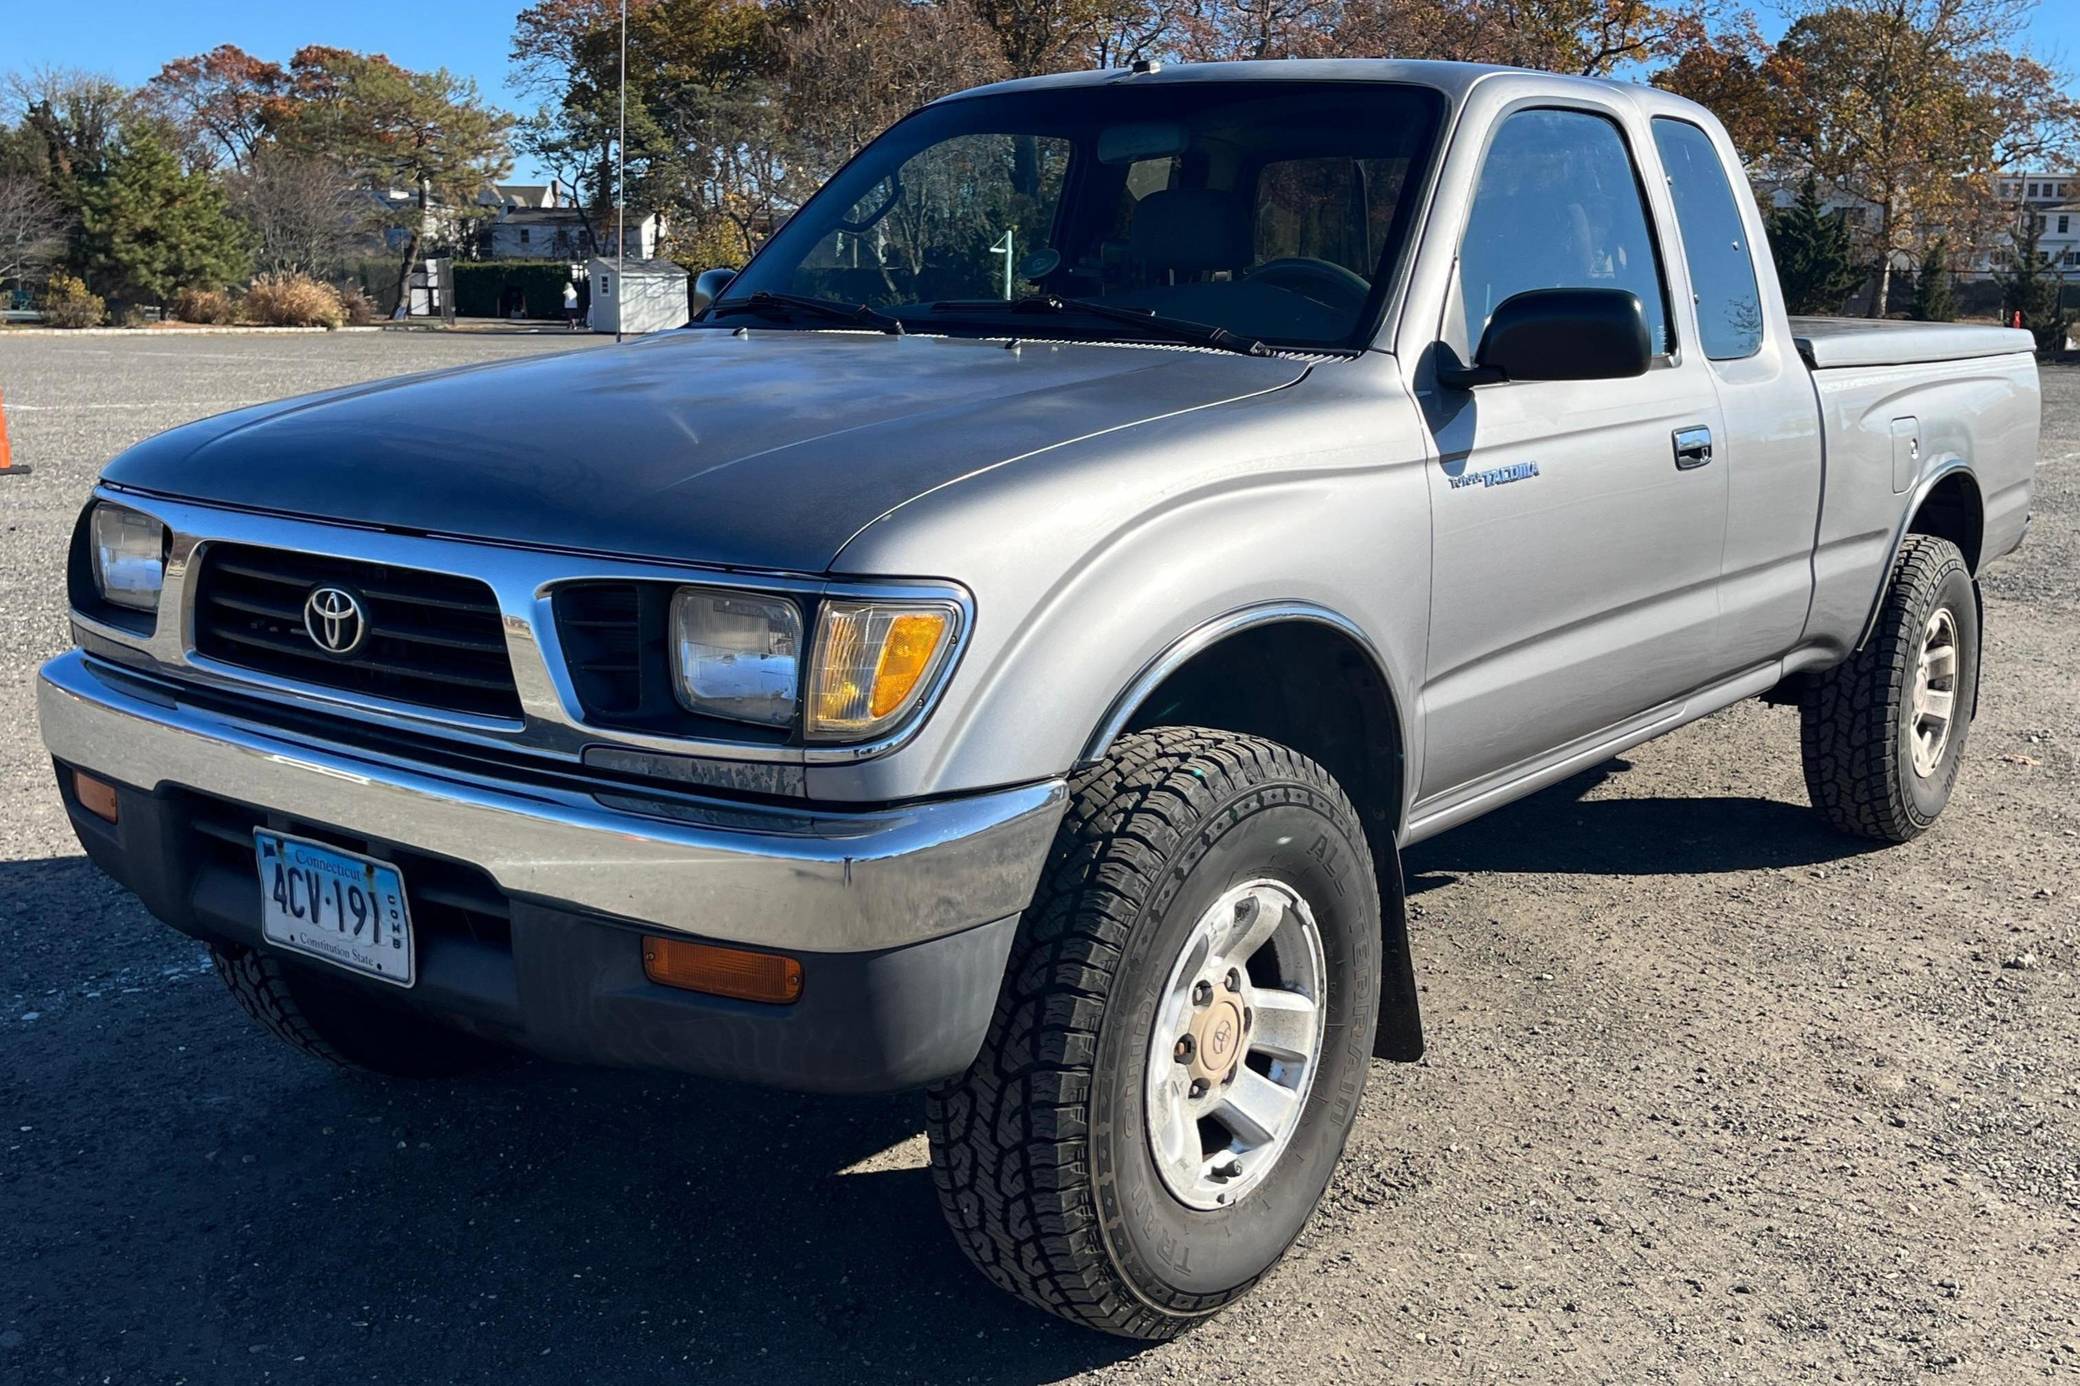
621,186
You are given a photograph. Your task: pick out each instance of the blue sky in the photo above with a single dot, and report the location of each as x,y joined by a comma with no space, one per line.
129,39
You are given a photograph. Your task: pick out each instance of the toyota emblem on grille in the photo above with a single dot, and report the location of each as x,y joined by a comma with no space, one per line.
334,620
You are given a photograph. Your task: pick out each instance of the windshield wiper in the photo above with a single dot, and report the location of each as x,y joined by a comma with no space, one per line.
783,305
1176,329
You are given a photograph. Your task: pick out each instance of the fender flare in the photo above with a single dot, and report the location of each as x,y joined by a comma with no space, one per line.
1209,633
1399,1036
1948,467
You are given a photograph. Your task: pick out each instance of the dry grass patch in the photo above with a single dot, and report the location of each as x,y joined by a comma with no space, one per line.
293,300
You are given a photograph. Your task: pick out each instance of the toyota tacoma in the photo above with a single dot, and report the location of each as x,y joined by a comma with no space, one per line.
1003,644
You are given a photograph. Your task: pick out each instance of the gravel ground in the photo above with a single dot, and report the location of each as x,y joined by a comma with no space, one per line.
1712,1093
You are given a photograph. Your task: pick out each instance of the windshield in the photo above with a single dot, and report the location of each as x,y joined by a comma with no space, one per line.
1274,210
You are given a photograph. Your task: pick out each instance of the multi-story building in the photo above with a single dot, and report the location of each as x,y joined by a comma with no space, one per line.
2052,201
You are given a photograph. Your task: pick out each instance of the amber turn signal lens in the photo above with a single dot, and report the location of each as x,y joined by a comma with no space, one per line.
732,972
873,662
95,796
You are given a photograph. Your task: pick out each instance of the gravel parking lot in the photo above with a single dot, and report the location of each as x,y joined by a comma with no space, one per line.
1712,1093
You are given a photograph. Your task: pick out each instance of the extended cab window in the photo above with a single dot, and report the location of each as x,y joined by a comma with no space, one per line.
1715,244
1558,207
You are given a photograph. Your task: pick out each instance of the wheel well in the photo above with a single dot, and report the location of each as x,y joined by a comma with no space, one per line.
1317,689
1952,510
1304,685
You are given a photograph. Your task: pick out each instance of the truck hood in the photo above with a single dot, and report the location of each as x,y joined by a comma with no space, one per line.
763,449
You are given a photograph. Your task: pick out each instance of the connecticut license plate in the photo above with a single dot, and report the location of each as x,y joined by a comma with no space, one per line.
346,909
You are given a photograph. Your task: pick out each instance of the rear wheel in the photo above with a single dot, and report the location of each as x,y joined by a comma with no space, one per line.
332,1022
1177,1055
1882,734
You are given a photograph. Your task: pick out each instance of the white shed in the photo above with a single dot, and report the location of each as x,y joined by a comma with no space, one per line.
640,296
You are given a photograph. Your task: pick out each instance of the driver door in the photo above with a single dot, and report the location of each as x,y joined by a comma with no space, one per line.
1576,554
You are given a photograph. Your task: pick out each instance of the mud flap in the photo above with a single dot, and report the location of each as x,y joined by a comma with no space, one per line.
1400,1033
1978,664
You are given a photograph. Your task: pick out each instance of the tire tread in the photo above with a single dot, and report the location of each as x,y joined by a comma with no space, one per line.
1009,1139
1849,717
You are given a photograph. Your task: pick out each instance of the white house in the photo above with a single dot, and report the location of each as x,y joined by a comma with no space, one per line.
500,196
640,296
559,232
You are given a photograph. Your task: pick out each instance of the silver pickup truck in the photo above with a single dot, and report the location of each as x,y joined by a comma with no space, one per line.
1004,643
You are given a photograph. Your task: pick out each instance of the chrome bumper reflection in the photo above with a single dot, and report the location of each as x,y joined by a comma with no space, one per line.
782,878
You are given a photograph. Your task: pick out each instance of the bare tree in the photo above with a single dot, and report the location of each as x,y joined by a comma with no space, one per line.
74,117
305,211
855,67
32,228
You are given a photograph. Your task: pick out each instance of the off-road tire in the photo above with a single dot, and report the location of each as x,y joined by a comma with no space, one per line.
334,1024
1855,720
1039,1151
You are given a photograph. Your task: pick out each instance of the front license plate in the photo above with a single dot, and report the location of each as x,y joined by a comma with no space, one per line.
346,909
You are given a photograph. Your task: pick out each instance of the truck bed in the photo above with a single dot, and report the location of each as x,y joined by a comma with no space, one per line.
1835,343
1901,404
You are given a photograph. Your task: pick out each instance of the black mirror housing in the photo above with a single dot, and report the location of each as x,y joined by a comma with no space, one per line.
707,287
1561,334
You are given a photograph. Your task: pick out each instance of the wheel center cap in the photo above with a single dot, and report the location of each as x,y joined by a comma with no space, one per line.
1217,1039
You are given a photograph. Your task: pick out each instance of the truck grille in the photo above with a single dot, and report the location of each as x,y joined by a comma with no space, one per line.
430,638
605,628
617,648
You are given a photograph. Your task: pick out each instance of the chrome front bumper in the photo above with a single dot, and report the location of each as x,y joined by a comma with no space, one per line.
788,879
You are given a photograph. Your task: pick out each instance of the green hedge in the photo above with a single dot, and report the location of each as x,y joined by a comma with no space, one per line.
483,286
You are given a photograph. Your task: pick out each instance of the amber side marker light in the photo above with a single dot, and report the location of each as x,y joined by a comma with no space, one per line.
732,972
95,796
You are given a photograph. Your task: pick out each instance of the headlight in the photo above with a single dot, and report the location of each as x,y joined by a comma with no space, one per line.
129,557
736,656
874,663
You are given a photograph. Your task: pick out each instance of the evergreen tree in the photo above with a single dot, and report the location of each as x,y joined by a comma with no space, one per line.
1815,259
1935,297
427,134
149,229
2027,288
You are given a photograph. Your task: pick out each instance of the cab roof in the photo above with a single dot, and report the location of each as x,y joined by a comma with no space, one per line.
1453,79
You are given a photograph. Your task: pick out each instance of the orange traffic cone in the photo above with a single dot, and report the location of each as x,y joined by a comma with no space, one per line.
8,466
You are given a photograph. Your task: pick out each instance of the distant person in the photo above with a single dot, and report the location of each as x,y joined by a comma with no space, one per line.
570,306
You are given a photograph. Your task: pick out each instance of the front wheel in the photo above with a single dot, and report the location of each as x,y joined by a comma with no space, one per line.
1882,734
1177,1054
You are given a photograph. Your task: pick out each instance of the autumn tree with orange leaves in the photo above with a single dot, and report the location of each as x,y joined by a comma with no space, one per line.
223,102
1908,109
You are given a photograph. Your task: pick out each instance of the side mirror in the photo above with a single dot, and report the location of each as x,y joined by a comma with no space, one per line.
707,287
1559,334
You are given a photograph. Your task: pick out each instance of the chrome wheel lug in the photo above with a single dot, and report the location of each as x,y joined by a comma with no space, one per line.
1202,993
1233,981
1184,1049
1197,1090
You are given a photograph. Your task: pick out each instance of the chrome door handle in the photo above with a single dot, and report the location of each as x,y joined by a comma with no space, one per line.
1693,447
